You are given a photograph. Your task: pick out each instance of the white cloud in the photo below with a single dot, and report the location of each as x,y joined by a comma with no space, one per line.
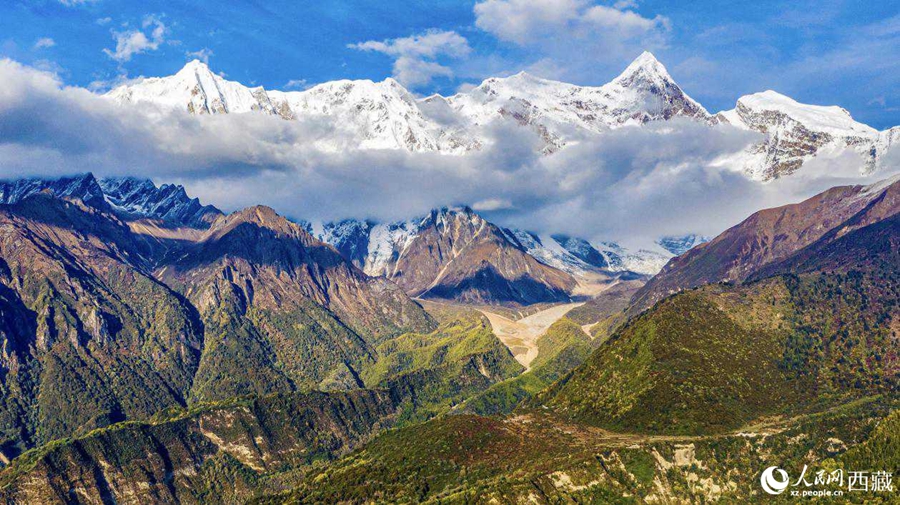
415,57
104,21
571,37
492,204
74,3
44,43
521,21
130,42
625,4
299,84
202,54
631,184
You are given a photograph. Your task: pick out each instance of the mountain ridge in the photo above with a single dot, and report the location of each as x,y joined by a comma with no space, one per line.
767,237
385,115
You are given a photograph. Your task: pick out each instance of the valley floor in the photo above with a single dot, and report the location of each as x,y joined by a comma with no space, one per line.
521,335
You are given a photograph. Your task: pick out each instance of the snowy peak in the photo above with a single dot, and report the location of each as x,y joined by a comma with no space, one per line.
796,132
363,114
83,187
645,68
830,119
170,203
195,70
646,92
385,115
129,197
197,90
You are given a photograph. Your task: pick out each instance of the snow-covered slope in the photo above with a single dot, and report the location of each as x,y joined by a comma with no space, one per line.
128,197
364,114
559,112
169,203
678,245
548,251
796,132
384,115
196,89
84,187
373,115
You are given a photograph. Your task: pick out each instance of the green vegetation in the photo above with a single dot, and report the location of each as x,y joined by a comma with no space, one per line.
220,452
684,367
436,371
712,359
544,459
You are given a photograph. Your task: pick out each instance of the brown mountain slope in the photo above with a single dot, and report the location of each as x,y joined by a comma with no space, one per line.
815,329
303,315
770,236
459,255
90,336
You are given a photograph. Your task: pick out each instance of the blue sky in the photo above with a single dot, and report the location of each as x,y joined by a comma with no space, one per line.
824,52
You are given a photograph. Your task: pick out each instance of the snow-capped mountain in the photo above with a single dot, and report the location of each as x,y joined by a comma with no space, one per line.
384,115
83,187
380,249
679,245
559,112
450,253
364,114
129,197
196,89
578,256
796,132
168,202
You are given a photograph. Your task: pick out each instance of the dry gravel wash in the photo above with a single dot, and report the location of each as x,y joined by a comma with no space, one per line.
521,335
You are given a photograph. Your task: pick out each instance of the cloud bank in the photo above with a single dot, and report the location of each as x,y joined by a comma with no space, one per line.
632,184
572,38
415,57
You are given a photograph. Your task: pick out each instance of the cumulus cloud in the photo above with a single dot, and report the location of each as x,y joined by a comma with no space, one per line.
202,54
570,37
632,184
130,42
299,84
44,43
415,57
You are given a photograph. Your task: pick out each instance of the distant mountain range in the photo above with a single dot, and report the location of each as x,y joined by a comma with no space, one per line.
384,115
451,253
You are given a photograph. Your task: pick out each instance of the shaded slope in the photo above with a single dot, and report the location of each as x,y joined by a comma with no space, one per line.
456,254
91,338
272,296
